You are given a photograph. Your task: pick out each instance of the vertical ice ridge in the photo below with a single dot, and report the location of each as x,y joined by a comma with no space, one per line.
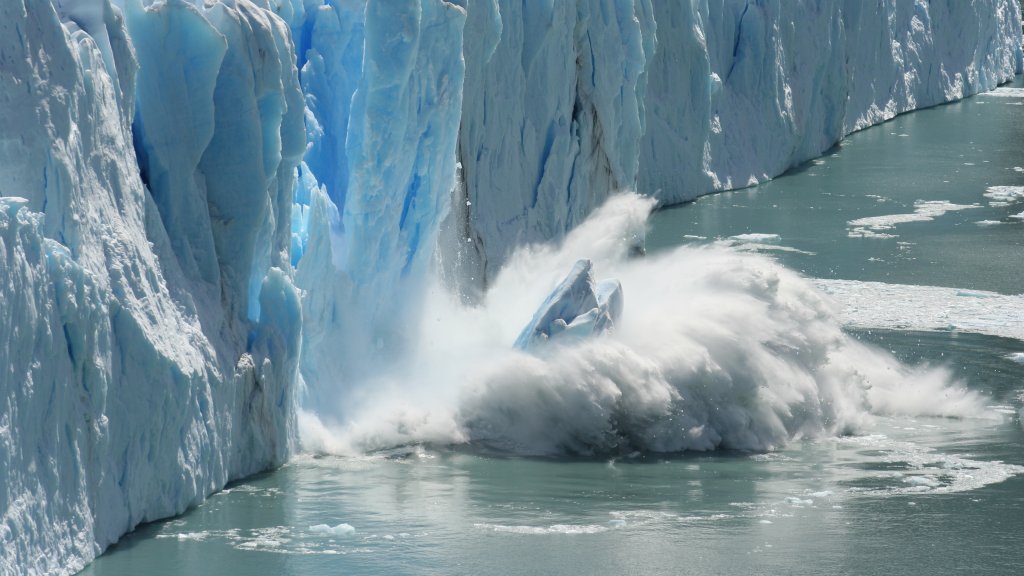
552,116
383,86
118,370
687,98
796,77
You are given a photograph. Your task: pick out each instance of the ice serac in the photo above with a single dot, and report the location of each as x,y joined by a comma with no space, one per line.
383,84
141,373
577,98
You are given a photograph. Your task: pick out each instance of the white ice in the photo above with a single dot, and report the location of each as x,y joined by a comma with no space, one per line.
903,307
924,211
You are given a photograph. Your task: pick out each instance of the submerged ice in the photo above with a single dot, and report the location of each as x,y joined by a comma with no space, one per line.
212,211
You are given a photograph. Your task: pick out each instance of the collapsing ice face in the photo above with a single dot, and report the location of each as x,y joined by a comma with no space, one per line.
713,349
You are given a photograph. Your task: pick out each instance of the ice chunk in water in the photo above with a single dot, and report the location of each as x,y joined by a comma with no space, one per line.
576,308
333,531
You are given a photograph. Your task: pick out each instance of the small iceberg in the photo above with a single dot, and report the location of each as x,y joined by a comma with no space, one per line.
338,531
577,308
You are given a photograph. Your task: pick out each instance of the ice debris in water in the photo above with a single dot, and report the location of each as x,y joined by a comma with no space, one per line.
1004,195
342,529
756,237
577,308
924,211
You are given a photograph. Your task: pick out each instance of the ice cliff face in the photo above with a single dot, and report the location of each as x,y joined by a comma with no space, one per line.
759,87
577,99
553,117
383,89
200,200
139,373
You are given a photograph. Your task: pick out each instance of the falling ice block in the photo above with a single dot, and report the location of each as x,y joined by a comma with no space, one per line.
575,309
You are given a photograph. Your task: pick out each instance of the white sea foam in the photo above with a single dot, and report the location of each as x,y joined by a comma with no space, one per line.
716,348
759,243
321,539
927,470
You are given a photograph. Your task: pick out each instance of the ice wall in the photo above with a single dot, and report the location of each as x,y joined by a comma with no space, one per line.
552,119
383,89
741,91
568,101
151,329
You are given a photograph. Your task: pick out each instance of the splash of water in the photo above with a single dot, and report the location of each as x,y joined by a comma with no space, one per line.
716,349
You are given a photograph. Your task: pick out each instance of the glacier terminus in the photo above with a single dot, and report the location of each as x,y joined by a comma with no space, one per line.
227,225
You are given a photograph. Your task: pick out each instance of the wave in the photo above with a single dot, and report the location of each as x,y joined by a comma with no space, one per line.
716,349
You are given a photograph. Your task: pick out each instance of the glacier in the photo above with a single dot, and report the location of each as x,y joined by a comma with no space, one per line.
137,377
691,97
217,213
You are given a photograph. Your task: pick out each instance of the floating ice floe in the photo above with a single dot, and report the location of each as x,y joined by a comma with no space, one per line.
339,530
924,211
1004,195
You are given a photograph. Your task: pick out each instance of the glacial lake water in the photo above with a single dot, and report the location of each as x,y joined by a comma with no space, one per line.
910,496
